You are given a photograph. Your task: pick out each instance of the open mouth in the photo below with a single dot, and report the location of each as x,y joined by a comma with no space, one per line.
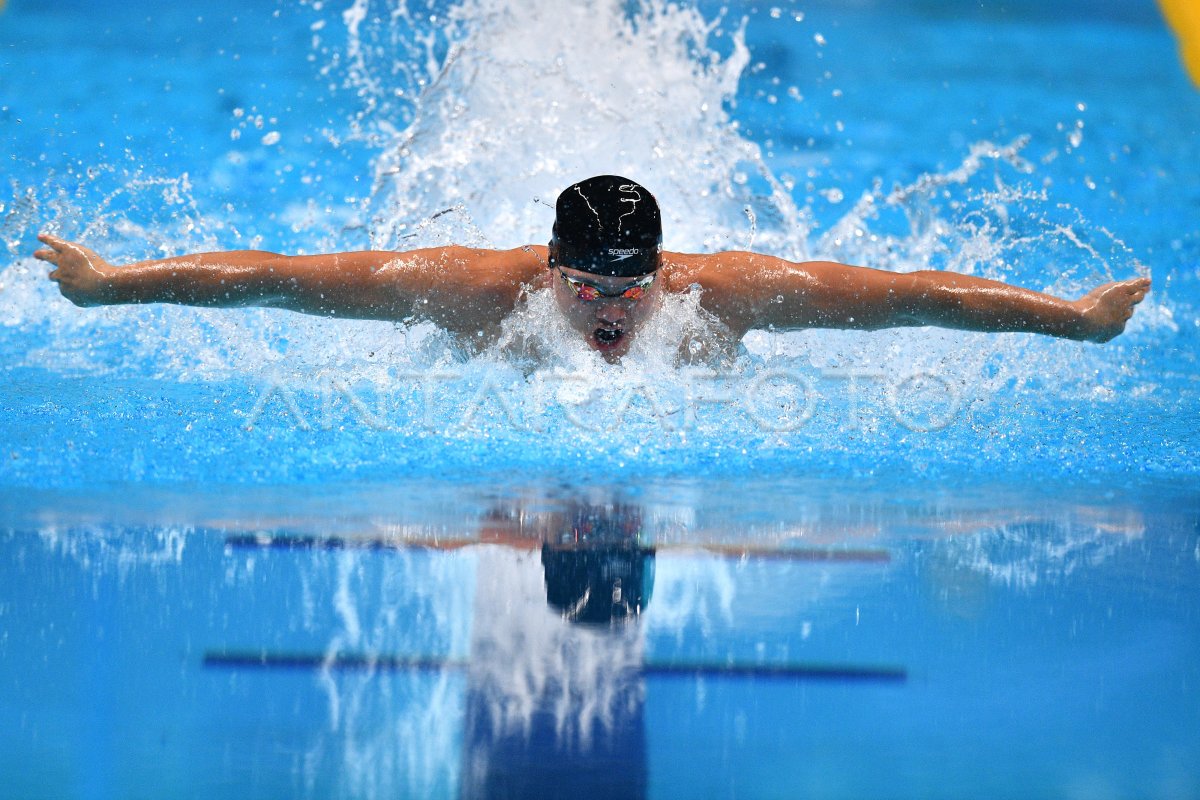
608,337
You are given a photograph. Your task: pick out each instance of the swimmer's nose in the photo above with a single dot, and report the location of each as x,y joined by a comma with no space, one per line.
610,312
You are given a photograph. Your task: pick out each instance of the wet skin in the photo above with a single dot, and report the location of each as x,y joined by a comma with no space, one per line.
607,324
470,291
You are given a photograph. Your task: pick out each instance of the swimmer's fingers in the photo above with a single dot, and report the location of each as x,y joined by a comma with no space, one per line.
51,258
51,254
58,244
62,246
68,255
1106,309
1138,288
76,269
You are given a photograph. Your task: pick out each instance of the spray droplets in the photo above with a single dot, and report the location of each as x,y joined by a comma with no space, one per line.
1075,137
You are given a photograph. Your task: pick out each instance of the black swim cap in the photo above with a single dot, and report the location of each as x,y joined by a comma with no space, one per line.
607,225
598,585
597,569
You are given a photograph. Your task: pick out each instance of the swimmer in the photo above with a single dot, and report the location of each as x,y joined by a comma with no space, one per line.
608,272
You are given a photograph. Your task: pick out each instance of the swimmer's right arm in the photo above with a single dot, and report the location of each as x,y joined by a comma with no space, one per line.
345,284
437,284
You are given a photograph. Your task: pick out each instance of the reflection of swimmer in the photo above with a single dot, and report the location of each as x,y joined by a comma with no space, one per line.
555,708
597,564
608,273
596,568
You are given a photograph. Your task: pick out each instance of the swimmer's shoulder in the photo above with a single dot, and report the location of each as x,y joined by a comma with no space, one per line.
503,268
722,281
471,290
709,271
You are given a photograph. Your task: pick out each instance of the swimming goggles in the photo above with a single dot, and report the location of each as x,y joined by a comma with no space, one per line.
588,292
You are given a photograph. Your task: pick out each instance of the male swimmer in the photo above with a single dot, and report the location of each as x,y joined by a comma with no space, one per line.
608,272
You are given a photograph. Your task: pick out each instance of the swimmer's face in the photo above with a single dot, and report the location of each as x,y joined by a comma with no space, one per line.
607,323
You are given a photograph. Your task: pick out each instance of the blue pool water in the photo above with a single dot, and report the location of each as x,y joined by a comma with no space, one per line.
250,553
803,638
900,143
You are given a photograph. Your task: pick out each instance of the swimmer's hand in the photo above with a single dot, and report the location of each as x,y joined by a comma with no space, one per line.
82,275
1107,308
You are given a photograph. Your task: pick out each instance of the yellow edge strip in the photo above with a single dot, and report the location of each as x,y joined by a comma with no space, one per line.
1184,17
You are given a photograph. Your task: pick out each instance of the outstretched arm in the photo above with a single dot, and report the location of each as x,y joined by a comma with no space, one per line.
447,285
763,292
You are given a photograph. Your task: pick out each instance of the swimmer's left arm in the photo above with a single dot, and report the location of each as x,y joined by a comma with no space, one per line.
765,292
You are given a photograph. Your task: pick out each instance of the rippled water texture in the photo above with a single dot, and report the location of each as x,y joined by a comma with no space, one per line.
816,638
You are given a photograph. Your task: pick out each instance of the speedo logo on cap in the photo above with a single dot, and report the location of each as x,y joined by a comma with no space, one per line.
622,253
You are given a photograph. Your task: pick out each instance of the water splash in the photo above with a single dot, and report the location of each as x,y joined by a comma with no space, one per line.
472,132
499,127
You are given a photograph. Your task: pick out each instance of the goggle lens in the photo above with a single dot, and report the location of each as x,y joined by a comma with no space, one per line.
587,292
